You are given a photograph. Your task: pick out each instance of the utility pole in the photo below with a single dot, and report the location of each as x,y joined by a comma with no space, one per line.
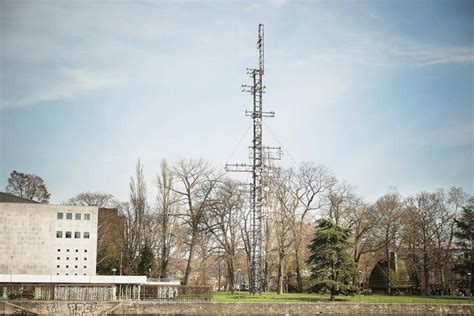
259,168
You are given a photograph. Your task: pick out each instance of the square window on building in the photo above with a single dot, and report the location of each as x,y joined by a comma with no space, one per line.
85,274
85,258
78,216
68,215
67,258
77,258
67,250
77,234
60,215
67,266
86,235
67,273
75,267
57,266
59,250
57,273
85,250
59,234
87,216
68,234
85,267
59,258
77,250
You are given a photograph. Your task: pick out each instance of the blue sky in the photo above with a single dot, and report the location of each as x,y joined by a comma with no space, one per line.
381,92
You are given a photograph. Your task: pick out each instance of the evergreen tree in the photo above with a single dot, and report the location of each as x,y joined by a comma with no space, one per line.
146,260
464,234
332,267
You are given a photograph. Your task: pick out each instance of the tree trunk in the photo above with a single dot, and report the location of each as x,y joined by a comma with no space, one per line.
219,280
231,275
249,270
187,274
299,278
164,252
333,293
280,275
389,284
426,278
164,261
265,274
164,268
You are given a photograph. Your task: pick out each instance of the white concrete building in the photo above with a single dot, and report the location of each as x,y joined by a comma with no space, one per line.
48,239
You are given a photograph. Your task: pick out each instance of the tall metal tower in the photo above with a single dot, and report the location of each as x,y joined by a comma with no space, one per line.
259,168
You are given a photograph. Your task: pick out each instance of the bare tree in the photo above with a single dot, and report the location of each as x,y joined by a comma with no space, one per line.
444,233
244,226
455,199
99,199
205,256
430,230
130,245
133,214
166,219
194,182
282,235
420,232
349,211
341,200
362,219
138,196
28,186
388,231
223,220
305,192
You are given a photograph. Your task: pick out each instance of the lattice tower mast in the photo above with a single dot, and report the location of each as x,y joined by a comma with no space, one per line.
258,168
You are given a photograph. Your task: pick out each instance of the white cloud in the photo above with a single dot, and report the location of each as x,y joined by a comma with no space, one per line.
278,3
383,50
68,83
464,58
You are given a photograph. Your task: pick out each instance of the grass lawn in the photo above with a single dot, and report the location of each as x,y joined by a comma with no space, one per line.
245,297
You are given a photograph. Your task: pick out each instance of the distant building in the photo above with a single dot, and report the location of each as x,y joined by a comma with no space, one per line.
109,232
45,239
49,252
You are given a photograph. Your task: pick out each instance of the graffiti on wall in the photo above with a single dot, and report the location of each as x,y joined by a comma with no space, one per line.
82,308
74,308
53,308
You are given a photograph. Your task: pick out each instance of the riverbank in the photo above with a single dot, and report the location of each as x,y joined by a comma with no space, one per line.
213,308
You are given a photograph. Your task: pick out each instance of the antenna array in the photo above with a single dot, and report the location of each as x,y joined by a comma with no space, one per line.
260,168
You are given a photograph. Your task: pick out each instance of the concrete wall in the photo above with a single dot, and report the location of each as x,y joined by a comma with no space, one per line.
28,242
134,307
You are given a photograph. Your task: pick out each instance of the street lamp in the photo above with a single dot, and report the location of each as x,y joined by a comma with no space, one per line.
114,270
360,288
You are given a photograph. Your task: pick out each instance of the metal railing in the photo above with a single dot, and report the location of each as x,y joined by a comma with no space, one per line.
181,293
50,292
106,292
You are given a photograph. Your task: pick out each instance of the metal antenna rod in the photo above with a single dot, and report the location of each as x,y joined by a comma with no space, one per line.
258,168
